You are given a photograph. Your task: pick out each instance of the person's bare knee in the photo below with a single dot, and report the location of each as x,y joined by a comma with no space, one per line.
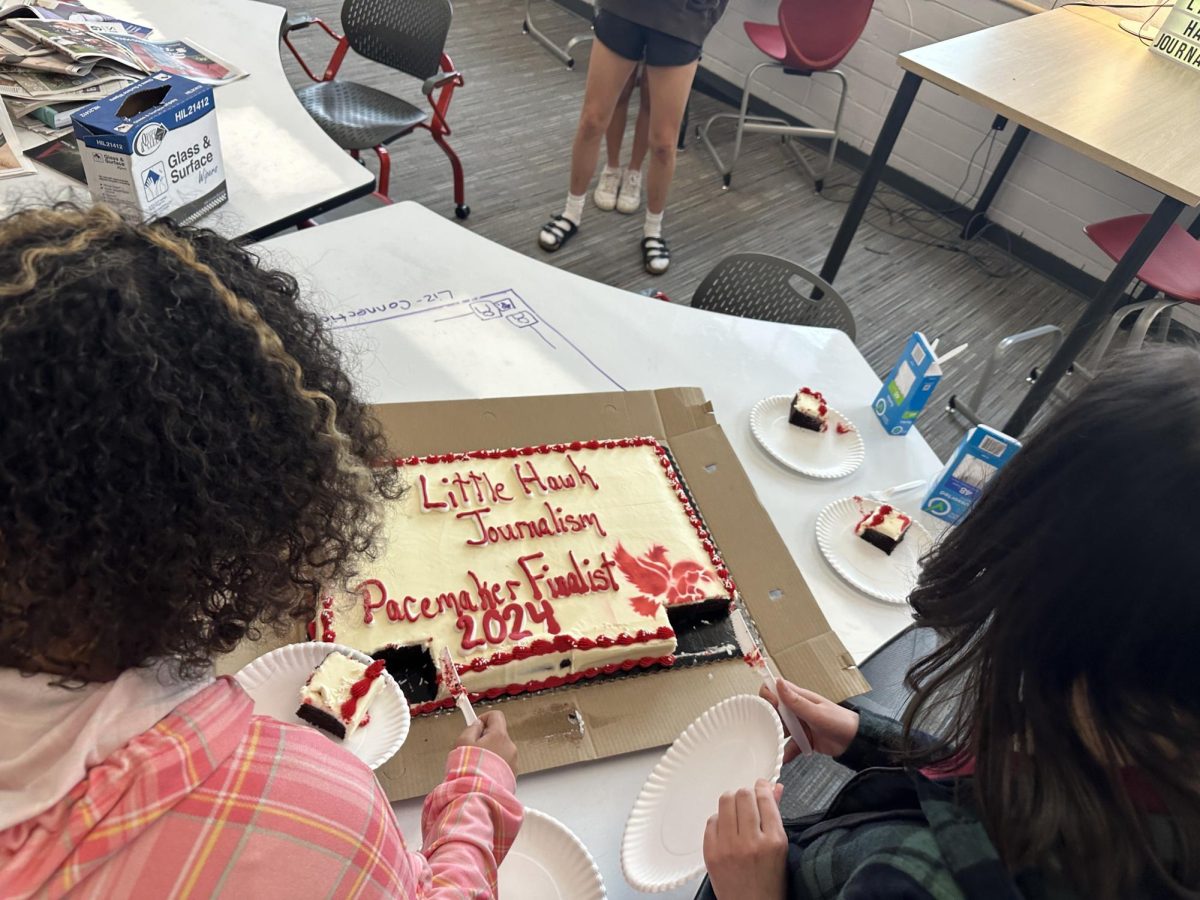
593,121
662,146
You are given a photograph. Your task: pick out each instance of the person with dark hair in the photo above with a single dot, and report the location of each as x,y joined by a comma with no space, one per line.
183,461
1066,607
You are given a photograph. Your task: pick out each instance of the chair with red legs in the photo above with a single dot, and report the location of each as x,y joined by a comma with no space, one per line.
408,36
1172,269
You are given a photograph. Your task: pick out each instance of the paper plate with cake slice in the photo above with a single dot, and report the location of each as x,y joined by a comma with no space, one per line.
729,747
341,692
875,547
548,862
801,431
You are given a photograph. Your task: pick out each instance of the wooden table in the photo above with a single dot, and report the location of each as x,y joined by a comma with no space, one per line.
280,166
393,285
1073,76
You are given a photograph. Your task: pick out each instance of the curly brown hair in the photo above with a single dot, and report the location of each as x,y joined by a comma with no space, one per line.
182,455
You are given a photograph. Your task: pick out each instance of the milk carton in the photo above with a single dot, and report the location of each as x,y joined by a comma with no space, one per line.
151,149
980,455
906,390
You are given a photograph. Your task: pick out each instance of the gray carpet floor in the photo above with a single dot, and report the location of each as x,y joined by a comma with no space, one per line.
513,124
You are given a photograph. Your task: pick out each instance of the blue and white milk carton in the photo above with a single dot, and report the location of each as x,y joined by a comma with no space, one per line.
979,457
151,149
906,390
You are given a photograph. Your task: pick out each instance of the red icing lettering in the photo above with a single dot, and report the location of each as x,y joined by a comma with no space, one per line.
426,503
543,615
359,689
368,589
466,625
581,472
494,628
516,629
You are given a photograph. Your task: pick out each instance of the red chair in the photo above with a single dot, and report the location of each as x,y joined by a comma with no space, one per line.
812,36
1173,268
406,35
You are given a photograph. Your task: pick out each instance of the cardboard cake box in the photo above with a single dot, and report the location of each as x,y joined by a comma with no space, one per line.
589,721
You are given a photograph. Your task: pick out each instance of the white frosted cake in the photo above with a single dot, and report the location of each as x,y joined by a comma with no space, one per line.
883,526
337,696
536,567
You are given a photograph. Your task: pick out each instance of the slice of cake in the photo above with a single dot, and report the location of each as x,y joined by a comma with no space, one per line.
809,410
338,694
536,567
883,527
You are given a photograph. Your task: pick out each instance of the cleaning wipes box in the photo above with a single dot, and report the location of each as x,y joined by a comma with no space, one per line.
906,390
152,150
979,457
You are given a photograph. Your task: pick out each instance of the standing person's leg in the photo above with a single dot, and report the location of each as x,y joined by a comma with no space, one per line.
607,74
605,195
615,134
670,87
630,196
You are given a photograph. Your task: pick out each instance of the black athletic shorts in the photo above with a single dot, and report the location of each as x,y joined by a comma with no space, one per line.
634,41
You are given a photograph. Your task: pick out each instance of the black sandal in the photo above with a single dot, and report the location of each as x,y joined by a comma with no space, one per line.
655,250
561,228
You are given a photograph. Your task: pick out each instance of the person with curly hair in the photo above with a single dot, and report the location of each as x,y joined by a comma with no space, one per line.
184,461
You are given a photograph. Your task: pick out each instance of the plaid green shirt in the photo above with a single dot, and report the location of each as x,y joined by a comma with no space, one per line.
893,833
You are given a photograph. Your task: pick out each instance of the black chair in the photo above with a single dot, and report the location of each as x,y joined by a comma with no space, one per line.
406,35
758,286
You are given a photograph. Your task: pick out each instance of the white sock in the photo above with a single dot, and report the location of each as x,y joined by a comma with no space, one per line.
574,207
653,226
610,170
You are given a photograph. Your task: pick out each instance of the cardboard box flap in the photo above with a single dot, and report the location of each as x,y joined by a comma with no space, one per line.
683,410
577,724
808,665
779,600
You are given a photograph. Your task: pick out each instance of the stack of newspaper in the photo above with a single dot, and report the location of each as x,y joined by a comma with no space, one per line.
58,55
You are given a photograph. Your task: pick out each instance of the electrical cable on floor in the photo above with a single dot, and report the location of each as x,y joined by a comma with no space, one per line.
920,219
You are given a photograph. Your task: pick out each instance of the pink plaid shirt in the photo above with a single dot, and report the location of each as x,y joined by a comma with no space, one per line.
216,801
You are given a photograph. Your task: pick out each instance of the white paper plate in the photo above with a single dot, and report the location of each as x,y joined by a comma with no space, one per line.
888,578
274,680
817,454
730,746
548,862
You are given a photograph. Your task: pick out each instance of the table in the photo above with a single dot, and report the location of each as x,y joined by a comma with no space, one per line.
280,166
395,283
1073,76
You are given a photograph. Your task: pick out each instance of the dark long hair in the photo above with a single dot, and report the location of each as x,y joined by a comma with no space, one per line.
1069,604
182,456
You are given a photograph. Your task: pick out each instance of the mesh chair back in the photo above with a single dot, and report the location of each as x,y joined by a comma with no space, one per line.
819,33
758,286
408,35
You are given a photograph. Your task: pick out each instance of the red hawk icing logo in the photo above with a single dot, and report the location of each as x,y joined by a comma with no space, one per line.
660,581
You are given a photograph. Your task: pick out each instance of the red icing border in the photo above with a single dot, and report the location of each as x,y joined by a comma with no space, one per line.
553,681
359,689
561,644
